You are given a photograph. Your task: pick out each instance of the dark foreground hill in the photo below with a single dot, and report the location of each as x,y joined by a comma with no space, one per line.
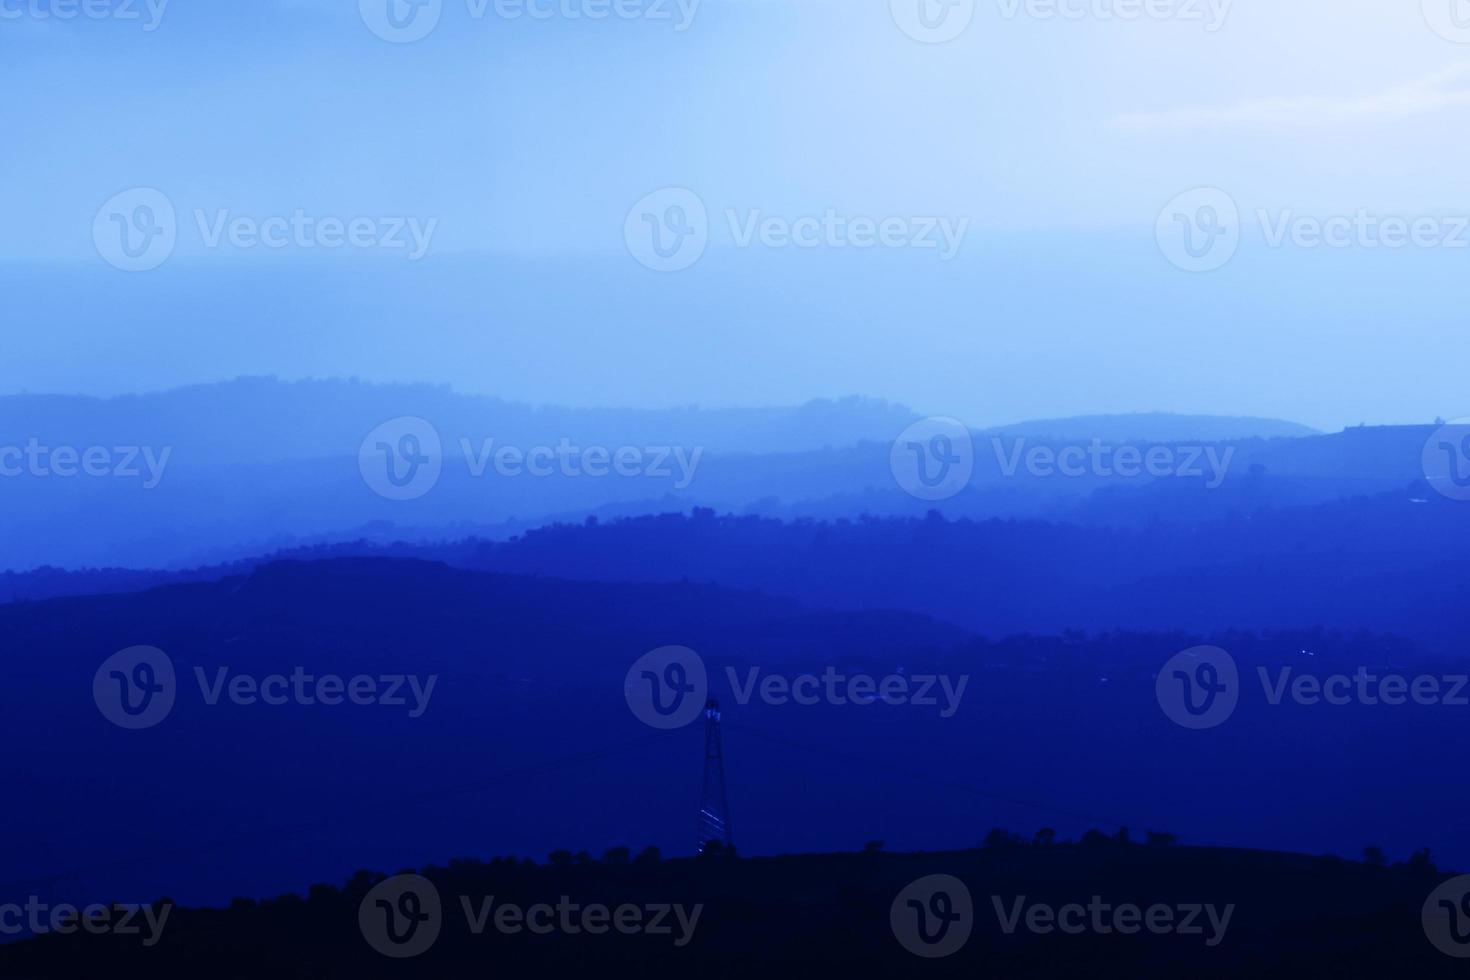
520,728
1014,909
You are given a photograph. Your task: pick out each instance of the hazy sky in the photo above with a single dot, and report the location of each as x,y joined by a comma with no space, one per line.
1047,144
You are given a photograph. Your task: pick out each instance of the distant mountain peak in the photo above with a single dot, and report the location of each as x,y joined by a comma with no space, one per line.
1156,427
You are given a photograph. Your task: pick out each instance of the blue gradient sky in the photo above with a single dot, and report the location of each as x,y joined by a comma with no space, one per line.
530,140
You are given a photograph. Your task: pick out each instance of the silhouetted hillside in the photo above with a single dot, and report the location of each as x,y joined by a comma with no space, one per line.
1197,912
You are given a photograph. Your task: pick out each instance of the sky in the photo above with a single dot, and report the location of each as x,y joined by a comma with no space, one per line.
1030,171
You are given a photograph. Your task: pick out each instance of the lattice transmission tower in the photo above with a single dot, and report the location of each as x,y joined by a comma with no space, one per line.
714,807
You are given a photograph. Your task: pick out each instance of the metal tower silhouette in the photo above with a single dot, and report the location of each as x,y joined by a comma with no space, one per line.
714,808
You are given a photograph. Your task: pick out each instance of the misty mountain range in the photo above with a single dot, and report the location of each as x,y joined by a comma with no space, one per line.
1047,603
229,471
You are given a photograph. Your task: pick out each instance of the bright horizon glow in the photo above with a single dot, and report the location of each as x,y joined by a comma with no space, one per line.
527,141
